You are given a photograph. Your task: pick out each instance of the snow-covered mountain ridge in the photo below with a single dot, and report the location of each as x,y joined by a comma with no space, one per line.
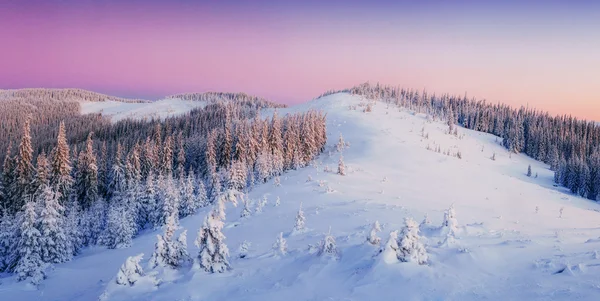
510,244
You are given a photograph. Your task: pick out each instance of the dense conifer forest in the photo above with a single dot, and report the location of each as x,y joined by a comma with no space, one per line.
70,181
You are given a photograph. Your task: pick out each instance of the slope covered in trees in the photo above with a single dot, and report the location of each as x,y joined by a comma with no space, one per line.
109,181
569,145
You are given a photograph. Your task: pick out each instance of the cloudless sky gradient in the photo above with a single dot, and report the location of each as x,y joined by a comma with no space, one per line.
542,53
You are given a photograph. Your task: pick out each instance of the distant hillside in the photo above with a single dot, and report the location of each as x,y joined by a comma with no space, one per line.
241,98
64,95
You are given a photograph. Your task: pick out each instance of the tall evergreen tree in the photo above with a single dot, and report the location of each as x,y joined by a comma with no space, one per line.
60,179
24,171
53,240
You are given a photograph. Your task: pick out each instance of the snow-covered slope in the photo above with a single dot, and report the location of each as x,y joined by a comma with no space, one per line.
504,250
157,109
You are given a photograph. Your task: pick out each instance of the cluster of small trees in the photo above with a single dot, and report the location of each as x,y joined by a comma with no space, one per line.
567,144
69,199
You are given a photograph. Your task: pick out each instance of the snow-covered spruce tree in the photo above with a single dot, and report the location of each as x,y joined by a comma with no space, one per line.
263,167
389,253
373,238
260,204
280,245
529,173
42,174
188,199
60,178
341,166
277,202
169,202
450,224
94,222
22,187
166,163
276,145
86,183
29,264
243,249
201,197
120,225
73,230
340,144
237,176
131,271
148,213
8,231
277,181
246,211
299,226
411,249
167,252
54,244
328,247
213,255
8,177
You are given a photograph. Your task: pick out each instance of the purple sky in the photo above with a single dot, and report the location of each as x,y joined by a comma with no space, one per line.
544,54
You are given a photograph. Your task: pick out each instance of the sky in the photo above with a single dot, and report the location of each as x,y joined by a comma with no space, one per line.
544,54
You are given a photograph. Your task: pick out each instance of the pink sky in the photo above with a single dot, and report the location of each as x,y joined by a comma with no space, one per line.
548,58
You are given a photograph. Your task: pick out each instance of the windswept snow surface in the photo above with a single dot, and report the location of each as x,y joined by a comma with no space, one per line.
156,109
503,250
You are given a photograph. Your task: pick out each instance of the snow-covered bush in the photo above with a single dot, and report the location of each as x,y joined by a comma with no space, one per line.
131,271
299,226
373,238
389,252
243,249
169,253
246,212
410,247
328,247
341,166
277,202
450,224
280,245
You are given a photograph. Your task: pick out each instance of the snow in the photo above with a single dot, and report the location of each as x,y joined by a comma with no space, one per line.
156,109
501,249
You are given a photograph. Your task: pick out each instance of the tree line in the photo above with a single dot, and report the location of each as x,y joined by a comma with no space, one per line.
568,144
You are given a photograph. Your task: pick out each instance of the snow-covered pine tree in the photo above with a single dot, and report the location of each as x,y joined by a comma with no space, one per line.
213,255
277,201
341,166
260,204
411,249
529,172
22,188
280,245
8,178
188,204
86,183
54,243
450,224
389,252
42,175
299,226
243,249
60,179
120,225
237,176
341,144
8,231
131,271
73,230
328,246
166,163
373,238
246,211
167,252
263,167
29,264
94,222
276,145
201,197
148,213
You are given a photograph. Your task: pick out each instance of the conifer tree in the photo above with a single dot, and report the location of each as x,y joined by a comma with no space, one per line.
131,271
213,255
29,264
54,243
341,167
42,174
280,245
188,204
87,181
60,179
24,171
8,230
299,226
328,246
410,248
373,238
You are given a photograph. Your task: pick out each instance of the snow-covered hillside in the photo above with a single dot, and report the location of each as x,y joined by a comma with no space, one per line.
157,109
511,243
